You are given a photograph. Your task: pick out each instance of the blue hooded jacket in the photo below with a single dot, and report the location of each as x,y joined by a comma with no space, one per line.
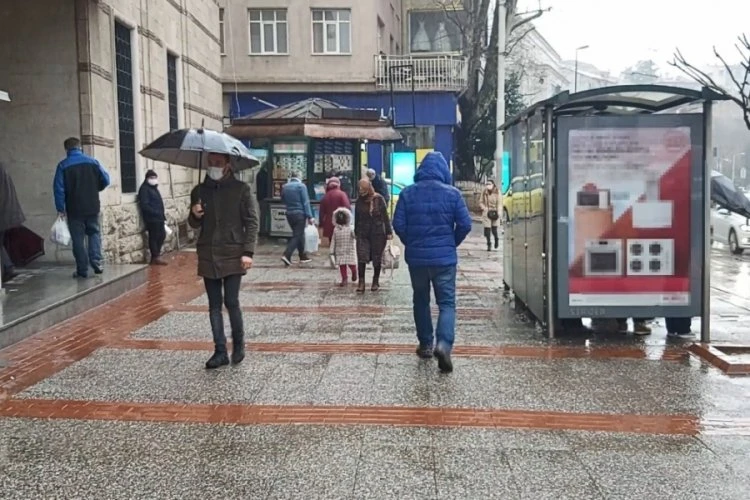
431,217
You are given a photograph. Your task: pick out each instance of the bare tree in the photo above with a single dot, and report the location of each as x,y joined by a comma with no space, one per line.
480,47
739,91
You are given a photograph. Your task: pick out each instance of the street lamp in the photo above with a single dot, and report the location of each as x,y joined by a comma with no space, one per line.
582,47
734,163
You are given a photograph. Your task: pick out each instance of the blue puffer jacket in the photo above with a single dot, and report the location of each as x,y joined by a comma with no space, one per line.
431,216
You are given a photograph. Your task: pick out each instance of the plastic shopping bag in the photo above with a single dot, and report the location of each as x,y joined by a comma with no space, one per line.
167,230
391,257
312,240
60,234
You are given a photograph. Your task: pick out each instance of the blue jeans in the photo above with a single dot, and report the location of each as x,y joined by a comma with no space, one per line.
81,229
231,299
443,282
297,222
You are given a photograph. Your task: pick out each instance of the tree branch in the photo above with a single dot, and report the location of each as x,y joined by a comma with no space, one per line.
516,40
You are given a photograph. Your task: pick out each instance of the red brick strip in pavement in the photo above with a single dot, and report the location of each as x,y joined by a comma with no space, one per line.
511,351
56,348
351,415
329,285
351,311
720,357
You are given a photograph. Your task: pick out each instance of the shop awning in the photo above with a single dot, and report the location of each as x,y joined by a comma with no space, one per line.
315,118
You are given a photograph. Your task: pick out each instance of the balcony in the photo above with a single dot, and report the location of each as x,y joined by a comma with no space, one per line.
429,72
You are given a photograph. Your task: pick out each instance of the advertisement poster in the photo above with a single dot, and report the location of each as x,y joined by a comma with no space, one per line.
629,218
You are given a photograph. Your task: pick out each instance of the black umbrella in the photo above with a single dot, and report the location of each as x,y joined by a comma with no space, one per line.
725,194
187,147
23,245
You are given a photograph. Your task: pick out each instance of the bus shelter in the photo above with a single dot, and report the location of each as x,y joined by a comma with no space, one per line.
607,208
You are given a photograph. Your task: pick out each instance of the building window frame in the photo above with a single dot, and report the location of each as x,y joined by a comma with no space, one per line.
222,32
173,90
277,20
128,134
339,20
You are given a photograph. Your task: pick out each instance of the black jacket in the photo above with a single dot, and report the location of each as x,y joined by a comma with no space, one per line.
151,203
380,187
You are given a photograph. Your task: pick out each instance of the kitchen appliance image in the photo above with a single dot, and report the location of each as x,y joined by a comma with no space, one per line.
603,258
650,257
593,215
651,212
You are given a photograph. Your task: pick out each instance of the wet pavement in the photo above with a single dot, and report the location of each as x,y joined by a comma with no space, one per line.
332,403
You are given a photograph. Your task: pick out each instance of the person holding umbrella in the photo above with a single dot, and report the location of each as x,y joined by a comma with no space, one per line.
11,216
223,209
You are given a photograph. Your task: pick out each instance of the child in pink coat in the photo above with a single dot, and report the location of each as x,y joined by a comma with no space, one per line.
343,245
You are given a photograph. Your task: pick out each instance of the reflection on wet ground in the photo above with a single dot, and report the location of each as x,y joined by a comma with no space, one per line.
332,403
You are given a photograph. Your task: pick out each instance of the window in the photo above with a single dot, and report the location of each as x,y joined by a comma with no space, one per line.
222,38
436,30
125,108
268,33
174,122
332,31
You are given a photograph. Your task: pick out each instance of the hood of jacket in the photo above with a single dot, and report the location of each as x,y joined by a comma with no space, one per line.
345,210
433,168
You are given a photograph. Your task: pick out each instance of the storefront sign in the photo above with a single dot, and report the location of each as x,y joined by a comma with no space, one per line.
279,226
630,225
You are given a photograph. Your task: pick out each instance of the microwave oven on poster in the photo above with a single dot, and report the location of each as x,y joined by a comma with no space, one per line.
629,213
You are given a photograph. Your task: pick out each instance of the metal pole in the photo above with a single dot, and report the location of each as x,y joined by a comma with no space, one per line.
734,162
549,220
575,87
706,271
500,114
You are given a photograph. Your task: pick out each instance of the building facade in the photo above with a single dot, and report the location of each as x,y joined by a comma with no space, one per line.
362,54
117,74
539,67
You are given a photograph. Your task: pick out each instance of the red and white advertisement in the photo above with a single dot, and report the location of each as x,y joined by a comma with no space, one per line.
629,216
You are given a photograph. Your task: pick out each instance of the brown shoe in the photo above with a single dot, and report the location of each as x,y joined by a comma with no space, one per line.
375,285
158,262
361,287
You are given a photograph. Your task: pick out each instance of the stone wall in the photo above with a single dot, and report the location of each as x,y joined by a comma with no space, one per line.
185,28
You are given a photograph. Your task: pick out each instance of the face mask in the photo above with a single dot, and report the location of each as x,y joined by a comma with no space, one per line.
153,182
216,173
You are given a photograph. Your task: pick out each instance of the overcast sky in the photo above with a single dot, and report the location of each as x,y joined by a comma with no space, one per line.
621,32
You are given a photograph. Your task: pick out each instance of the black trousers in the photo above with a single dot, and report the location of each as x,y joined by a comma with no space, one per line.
156,236
230,286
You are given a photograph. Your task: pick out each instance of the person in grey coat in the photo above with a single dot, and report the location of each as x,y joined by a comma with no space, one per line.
11,216
222,207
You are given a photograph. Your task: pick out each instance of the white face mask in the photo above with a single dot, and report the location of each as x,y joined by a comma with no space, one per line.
216,173
153,181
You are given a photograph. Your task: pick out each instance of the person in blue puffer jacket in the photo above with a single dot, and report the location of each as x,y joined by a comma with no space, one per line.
432,220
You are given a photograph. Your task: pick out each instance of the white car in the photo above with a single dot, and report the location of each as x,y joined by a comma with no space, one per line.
730,229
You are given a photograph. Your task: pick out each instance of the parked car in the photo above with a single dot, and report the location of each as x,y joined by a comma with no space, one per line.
730,229
395,192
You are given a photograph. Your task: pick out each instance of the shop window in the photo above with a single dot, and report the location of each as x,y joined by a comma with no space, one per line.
268,31
125,107
436,30
334,158
174,122
331,31
288,158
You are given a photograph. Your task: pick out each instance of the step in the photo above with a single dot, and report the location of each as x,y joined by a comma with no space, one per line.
44,295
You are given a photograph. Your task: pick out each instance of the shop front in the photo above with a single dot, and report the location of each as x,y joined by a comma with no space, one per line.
314,139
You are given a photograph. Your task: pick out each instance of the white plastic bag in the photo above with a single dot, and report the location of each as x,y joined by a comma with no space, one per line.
60,234
167,230
391,256
312,240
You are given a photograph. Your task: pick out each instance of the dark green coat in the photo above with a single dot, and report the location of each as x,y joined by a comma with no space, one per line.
228,229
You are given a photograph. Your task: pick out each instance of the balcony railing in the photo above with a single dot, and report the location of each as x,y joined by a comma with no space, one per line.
433,72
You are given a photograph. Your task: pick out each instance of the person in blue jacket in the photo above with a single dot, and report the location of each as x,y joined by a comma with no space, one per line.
78,180
298,215
432,220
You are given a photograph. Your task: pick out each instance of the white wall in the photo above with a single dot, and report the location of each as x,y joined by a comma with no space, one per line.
38,69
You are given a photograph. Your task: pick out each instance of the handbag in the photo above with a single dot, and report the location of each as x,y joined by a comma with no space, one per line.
391,256
492,215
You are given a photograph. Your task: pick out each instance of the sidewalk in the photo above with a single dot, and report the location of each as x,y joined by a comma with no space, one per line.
332,403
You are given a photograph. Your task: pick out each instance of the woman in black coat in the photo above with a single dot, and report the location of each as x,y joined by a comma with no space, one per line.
372,227
152,210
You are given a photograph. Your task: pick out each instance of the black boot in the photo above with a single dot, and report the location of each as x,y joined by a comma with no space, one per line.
238,348
361,275
497,238
376,280
487,237
219,358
